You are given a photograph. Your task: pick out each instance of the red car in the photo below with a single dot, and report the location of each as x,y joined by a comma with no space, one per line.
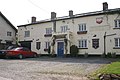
20,52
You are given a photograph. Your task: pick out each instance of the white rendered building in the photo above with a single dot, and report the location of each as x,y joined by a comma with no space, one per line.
93,32
7,32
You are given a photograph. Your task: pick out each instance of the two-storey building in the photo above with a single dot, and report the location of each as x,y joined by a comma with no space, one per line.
7,32
93,32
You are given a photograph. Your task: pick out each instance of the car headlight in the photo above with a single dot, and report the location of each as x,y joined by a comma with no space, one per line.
3,52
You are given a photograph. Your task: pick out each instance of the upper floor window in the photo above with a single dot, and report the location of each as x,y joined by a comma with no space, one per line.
27,33
117,42
82,27
82,43
9,33
64,28
117,23
48,30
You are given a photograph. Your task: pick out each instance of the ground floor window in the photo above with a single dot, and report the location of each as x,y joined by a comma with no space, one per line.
47,44
117,42
38,44
82,43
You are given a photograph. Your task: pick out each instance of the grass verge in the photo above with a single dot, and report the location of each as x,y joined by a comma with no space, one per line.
113,68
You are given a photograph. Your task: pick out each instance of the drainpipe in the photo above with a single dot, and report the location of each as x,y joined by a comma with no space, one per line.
105,40
105,43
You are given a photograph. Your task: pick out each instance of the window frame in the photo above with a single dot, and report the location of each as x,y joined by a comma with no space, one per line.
48,30
27,33
117,23
82,44
82,27
47,44
38,45
9,33
117,40
64,28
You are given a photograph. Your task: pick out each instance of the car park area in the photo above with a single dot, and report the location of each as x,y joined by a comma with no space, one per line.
47,68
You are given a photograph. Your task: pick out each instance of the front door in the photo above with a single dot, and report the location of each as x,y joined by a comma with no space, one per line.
60,49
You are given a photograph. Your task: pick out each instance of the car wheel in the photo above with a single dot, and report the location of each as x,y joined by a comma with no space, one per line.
35,55
6,57
20,56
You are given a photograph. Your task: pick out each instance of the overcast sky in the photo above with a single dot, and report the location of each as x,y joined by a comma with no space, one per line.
19,12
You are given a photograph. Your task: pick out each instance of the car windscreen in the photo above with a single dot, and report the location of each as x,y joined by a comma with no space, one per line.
16,49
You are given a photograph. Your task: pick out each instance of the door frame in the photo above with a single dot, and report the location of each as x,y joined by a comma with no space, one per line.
57,48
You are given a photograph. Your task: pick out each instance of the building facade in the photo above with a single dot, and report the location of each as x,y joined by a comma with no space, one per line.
7,32
93,33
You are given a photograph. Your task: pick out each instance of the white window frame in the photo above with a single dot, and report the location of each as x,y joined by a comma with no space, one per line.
117,42
82,27
82,43
117,23
48,30
64,28
47,44
27,33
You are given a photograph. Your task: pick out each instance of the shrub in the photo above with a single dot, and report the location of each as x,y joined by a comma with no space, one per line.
113,55
86,55
109,55
74,51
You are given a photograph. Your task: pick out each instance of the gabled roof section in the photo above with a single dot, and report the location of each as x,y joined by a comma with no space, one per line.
8,21
109,11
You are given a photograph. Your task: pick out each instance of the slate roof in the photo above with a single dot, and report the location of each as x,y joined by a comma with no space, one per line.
8,21
109,11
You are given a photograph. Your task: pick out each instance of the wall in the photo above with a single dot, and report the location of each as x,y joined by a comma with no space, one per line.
93,28
4,27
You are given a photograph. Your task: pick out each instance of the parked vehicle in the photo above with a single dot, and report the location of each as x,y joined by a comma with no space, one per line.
20,52
4,52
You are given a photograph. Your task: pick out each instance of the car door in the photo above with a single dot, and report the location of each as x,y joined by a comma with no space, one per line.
28,52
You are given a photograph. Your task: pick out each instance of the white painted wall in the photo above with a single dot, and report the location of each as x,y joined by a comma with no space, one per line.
38,31
4,27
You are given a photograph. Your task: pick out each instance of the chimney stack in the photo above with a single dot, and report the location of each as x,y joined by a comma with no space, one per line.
53,15
70,13
33,19
105,6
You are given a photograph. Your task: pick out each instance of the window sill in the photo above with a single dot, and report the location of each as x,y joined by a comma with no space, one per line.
116,28
82,32
82,48
47,35
116,47
45,50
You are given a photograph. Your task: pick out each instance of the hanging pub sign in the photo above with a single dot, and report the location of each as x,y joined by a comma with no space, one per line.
95,43
99,20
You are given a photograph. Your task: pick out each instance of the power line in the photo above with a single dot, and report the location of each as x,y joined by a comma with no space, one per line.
38,7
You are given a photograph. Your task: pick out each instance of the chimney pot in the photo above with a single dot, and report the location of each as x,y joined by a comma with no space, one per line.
105,6
33,19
